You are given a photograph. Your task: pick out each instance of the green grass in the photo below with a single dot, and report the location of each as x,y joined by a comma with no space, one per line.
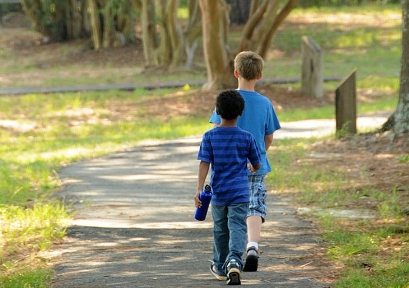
62,128
366,247
37,278
345,46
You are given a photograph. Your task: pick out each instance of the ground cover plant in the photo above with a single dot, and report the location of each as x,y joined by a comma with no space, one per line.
364,175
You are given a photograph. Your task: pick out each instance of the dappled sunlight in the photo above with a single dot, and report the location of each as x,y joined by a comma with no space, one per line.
104,223
66,153
324,127
387,20
135,214
18,126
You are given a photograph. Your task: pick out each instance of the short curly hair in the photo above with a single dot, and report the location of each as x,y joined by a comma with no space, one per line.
229,104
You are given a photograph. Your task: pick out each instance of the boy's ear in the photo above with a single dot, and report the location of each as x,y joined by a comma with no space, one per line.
236,74
260,75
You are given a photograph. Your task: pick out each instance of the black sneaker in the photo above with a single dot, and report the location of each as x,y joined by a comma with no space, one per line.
233,273
217,274
251,263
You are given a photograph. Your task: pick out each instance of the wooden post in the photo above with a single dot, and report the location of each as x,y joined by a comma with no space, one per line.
311,70
345,104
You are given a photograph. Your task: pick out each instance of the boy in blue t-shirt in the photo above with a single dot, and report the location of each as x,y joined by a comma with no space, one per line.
260,119
228,149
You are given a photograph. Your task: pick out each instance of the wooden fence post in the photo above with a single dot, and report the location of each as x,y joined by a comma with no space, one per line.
345,104
311,70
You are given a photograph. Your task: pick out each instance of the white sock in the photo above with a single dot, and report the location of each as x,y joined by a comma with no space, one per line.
252,244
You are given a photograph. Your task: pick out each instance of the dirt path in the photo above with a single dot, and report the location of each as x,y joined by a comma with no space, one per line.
134,224
134,227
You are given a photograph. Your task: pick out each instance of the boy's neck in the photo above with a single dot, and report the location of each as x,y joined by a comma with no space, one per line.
228,123
247,85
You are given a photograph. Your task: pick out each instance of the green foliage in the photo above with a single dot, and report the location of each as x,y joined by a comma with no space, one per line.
51,17
394,276
37,278
404,159
345,46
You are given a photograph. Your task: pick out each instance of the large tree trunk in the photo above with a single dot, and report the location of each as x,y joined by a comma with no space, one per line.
402,110
217,54
398,122
265,18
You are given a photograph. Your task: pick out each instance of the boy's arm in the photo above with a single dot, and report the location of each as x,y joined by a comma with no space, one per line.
203,170
268,140
253,168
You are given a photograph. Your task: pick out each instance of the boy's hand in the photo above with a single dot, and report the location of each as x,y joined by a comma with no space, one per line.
198,203
251,168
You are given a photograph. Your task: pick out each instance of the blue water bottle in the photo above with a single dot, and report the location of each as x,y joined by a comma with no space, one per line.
205,196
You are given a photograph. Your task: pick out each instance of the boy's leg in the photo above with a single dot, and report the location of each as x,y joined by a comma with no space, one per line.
254,228
238,230
255,218
220,241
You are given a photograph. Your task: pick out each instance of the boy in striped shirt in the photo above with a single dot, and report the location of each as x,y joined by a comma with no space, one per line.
231,152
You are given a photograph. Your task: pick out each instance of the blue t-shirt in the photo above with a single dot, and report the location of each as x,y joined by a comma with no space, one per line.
259,118
227,150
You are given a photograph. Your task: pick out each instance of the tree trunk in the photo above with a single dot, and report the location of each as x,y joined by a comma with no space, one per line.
192,32
108,28
148,32
240,11
32,10
164,50
401,115
96,31
279,19
264,20
175,32
166,42
217,54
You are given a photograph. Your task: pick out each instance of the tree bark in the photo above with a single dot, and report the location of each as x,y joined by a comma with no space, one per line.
192,32
32,10
164,49
279,19
217,54
264,20
240,11
401,115
149,41
175,32
95,24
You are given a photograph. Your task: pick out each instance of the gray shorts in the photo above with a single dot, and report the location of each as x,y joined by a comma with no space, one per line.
258,196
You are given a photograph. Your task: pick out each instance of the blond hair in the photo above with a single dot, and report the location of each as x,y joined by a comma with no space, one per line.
248,64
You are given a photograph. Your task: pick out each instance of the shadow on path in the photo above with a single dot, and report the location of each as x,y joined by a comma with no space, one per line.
134,227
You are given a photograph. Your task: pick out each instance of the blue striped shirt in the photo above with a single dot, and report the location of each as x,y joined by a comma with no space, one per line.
227,150
259,118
